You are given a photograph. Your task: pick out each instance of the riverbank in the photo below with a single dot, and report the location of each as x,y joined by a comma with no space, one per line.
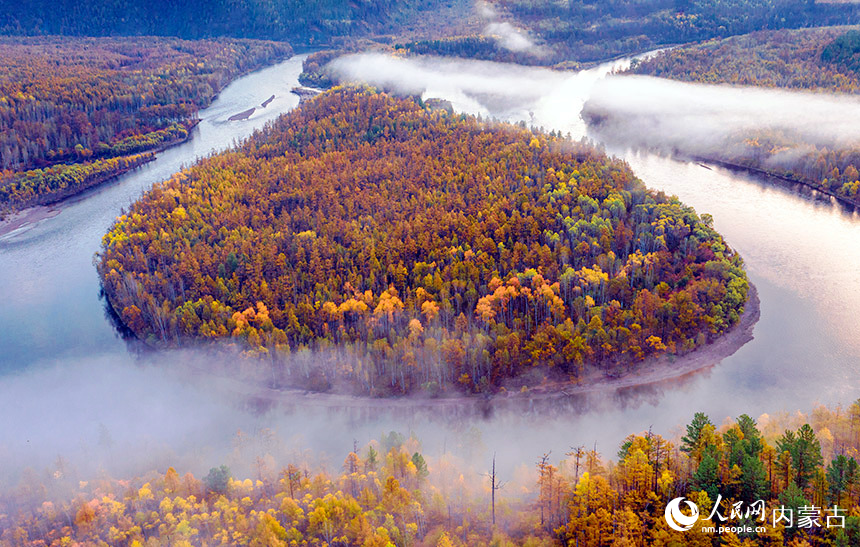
815,190
647,376
30,212
37,210
24,217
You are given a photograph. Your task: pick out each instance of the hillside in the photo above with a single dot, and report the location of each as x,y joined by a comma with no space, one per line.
298,22
494,29
791,59
595,31
411,249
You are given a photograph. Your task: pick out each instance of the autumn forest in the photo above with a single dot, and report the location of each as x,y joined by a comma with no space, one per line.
392,492
74,113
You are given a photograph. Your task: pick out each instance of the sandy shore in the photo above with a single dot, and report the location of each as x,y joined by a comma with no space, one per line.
244,115
22,218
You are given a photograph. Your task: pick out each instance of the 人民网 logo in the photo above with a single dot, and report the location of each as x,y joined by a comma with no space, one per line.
678,520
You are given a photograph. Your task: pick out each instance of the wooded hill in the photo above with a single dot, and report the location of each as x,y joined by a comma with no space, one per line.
578,31
299,22
595,31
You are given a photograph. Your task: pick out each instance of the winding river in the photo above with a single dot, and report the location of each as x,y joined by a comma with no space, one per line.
70,386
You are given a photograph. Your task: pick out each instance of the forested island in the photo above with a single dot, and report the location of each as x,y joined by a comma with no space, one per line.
75,112
412,249
823,60
391,492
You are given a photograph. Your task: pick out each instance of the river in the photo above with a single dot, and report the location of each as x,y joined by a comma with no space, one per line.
50,289
69,385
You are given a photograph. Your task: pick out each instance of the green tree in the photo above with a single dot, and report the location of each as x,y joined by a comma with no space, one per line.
217,479
690,441
805,451
707,476
842,474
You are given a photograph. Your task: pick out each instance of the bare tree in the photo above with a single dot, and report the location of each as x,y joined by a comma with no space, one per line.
495,484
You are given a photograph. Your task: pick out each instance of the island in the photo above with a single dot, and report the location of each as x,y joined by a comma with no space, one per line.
369,242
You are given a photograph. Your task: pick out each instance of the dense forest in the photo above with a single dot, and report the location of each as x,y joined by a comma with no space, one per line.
92,105
43,186
410,248
578,31
568,35
824,60
391,492
299,22
594,31
486,48
809,59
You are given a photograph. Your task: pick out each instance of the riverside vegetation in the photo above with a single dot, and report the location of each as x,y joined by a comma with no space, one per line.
75,112
821,60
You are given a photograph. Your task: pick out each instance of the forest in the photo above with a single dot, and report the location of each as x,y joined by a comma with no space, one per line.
806,59
366,242
391,491
573,34
573,31
594,31
822,60
309,23
486,48
74,107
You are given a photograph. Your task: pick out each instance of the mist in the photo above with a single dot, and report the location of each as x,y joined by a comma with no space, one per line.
699,119
507,35
123,415
475,87
639,111
511,38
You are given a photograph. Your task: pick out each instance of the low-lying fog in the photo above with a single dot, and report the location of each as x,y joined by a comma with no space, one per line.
699,119
644,111
128,415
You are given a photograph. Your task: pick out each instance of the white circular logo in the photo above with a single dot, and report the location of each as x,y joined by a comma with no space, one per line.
678,520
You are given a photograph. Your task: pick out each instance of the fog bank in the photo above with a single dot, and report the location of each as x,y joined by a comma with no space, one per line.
699,119
125,415
632,110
